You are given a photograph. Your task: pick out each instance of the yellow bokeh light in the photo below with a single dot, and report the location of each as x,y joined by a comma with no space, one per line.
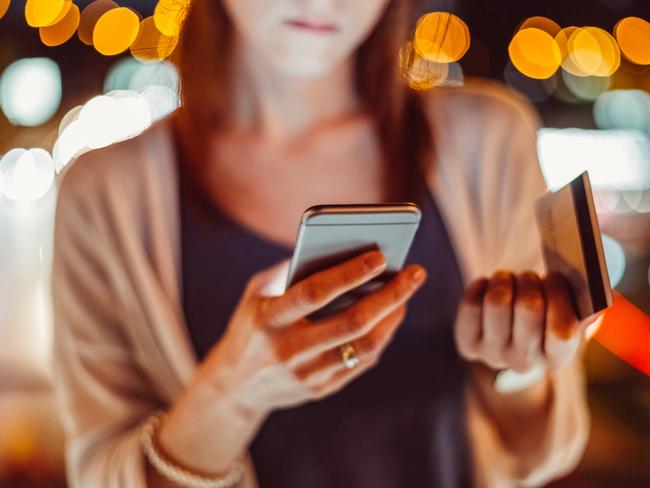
169,14
441,37
535,53
418,72
633,36
542,23
151,44
57,34
39,13
590,51
89,17
609,51
4,6
115,31
64,11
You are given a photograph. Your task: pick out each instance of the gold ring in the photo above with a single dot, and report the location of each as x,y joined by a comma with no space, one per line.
349,356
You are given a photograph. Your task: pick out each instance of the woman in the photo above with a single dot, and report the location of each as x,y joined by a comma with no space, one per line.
166,274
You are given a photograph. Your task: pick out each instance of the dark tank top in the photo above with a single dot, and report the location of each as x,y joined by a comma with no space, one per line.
402,423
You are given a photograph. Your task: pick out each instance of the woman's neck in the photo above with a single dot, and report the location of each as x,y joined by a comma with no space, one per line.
279,107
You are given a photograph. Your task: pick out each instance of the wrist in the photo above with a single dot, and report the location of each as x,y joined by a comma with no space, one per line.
207,430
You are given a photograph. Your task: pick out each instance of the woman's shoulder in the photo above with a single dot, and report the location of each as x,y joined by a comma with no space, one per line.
481,106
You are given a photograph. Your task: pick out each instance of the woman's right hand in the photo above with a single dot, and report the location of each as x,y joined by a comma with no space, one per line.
271,356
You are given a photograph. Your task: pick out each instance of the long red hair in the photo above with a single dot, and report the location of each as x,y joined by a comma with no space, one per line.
203,57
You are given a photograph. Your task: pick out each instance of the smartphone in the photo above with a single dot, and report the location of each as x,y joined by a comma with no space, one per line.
331,234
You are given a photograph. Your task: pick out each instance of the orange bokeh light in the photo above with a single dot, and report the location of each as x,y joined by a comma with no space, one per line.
169,14
590,51
115,31
152,45
39,13
418,72
535,53
89,17
4,6
64,11
57,34
633,36
441,37
543,23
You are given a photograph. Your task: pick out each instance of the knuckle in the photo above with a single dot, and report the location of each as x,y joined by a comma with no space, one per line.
310,292
531,301
355,320
369,343
499,294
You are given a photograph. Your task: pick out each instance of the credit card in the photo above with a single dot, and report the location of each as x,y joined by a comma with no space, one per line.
572,244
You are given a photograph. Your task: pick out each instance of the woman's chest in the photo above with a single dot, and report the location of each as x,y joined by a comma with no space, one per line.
268,192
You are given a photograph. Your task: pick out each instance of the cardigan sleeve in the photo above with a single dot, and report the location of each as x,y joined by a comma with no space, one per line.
102,397
515,246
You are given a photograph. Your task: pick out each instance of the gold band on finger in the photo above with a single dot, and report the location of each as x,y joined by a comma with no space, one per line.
349,356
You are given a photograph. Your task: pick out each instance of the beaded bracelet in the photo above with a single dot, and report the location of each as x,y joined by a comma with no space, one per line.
175,473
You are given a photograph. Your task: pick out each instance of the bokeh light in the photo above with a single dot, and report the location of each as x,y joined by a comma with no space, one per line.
543,23
161,100
590,51
30,91
64,29
39,13
169,15
633,36
89,17
441,37
418,72
103,120
4,6
26,174
152,45
535,53
617,160
623,109
587,88
115,31
615,258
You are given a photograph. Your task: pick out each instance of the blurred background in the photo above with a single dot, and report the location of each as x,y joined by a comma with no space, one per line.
79,74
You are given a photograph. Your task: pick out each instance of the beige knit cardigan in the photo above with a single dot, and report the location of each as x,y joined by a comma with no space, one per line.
121,346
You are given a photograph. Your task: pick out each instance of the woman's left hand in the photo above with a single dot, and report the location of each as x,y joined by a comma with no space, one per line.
518,321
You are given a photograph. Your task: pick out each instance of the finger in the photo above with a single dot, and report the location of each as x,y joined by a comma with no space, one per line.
467,326
562,334
269,281
315,291
368,349
338,381
497,318
361,317
528,323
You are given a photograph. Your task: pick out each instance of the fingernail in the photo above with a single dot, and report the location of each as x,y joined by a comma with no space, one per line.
374,261
418,274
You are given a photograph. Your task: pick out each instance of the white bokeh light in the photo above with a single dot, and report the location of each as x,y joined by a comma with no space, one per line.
616,159
103,120
30,91
623,109
615,258
26,174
